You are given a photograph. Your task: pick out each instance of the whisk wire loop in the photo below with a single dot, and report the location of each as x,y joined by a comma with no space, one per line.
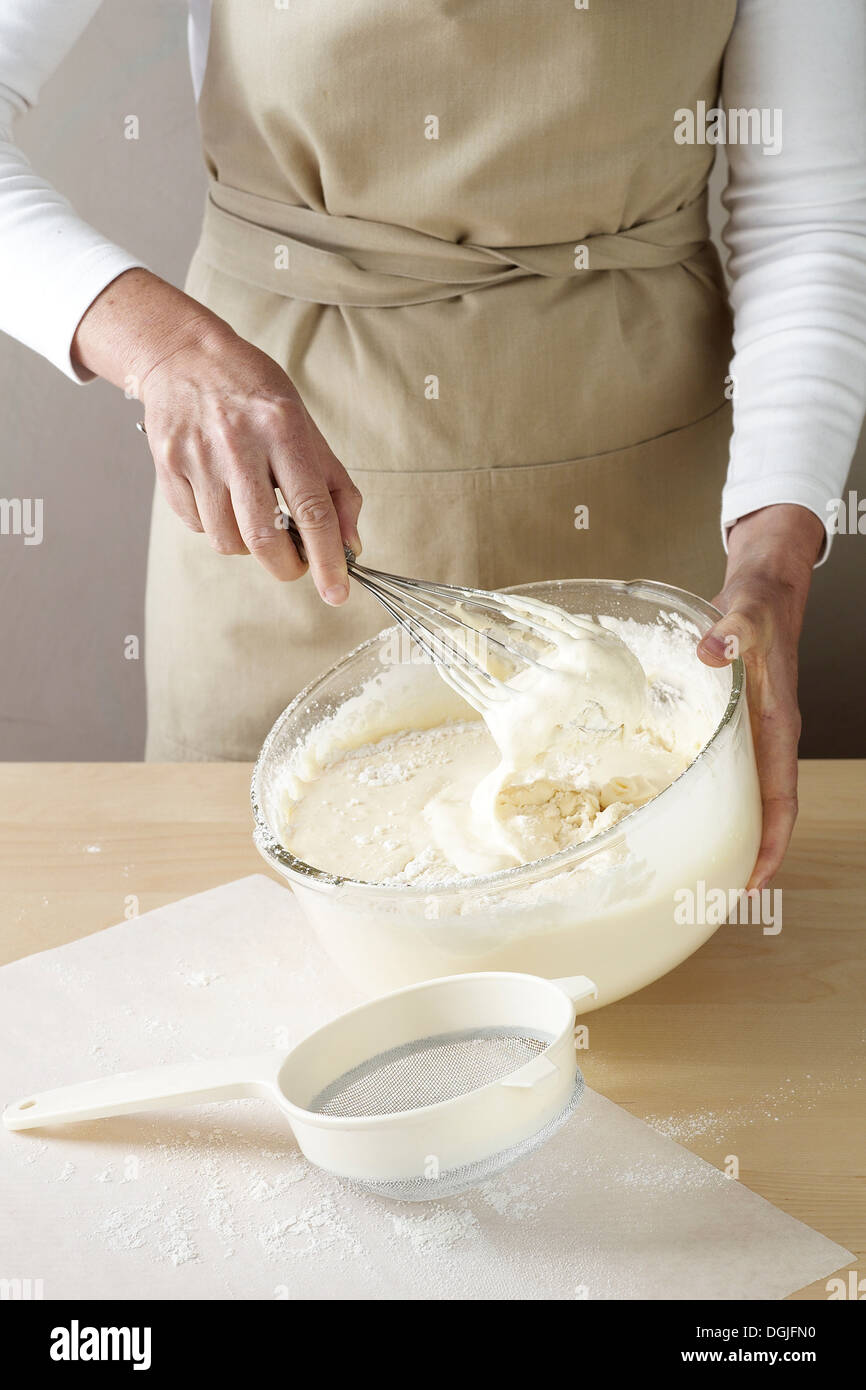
437,618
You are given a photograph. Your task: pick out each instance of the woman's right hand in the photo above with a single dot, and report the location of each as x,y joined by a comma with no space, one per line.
225,426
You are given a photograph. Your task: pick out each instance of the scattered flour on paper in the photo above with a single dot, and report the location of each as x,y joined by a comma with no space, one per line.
511,1197
220,1179
264,1188
316,1228
165,1229
124,1228
199,979
435,1231
159,1025
215,1185
175,1241
218,1191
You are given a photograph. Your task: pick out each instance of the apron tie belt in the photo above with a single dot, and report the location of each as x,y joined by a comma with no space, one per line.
324,259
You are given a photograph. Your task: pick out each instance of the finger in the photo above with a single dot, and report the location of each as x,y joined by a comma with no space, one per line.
203,467
733,635
214,503
780,814
169,461
296,471
347,503
776,733
179,495
316,517
261,523
345,495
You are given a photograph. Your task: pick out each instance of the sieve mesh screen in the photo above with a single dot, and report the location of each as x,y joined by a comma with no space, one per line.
456,1180
429,1070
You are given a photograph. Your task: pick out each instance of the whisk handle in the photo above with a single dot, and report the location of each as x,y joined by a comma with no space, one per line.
289,524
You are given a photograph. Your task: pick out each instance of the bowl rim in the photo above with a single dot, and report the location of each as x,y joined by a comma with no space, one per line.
299,871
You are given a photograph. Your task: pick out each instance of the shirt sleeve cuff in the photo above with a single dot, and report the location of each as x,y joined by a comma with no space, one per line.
742,498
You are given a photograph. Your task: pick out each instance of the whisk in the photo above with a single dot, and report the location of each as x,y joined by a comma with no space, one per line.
449,623
432,614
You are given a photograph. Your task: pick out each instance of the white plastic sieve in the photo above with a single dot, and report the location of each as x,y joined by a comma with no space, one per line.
416,1095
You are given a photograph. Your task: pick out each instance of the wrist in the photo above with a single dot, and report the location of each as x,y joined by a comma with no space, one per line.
138,322
784,540
192,340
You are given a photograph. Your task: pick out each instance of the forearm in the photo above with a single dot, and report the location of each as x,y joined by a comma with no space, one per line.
53,263
797,237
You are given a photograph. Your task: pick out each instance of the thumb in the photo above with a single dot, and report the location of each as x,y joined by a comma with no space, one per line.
732,636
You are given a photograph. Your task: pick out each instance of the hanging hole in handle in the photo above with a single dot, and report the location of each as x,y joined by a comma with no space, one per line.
27,1105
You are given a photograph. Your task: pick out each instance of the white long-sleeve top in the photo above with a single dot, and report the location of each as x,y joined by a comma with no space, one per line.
796,232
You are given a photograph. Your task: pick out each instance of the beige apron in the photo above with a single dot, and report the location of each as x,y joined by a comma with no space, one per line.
465,230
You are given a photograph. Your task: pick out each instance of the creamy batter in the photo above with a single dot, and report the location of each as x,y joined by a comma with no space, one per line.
604,718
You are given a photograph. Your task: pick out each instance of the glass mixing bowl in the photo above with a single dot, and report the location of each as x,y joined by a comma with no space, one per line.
624,907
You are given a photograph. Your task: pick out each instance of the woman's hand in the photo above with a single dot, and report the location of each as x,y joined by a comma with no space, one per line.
225,426
771,553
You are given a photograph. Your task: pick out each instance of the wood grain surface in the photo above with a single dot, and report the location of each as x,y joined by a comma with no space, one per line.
753,1048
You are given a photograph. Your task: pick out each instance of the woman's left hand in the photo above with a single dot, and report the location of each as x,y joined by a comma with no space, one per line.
771,553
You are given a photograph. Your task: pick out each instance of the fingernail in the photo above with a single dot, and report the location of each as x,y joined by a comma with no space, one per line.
337,593
713,646
354,543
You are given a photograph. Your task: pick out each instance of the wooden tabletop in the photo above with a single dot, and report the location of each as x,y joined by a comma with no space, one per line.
754,1047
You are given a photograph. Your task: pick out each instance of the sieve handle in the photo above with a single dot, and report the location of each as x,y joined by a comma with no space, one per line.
542,1069
153,1088
577,987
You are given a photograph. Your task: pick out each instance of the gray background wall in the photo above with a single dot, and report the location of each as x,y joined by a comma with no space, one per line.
66,689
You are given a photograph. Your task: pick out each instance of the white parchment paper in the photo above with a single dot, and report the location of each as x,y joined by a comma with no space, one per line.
216,1202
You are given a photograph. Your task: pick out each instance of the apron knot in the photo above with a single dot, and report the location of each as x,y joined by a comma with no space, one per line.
324,259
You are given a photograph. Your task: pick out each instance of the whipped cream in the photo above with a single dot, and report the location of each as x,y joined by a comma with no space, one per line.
603,718
559,724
